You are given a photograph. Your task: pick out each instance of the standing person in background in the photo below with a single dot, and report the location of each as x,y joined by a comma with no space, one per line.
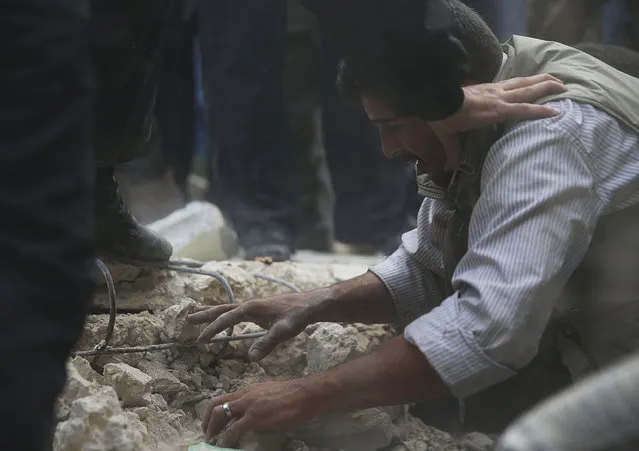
253,174
46,234
505,17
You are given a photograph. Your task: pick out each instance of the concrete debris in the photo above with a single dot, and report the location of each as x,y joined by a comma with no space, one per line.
156,401
330,345
175,326
132,385
370,429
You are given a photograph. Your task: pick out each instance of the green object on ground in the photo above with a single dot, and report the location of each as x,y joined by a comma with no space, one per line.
205,447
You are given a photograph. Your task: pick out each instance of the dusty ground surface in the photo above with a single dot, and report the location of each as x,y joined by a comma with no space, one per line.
155,401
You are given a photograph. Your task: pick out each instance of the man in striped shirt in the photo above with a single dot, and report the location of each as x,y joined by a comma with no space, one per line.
557,207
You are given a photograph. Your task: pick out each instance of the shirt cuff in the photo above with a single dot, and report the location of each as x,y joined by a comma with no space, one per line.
413,289
458,359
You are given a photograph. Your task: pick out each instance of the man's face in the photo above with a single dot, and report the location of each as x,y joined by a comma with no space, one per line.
406,137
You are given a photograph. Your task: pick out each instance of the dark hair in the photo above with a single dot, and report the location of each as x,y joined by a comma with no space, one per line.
408,71
621,58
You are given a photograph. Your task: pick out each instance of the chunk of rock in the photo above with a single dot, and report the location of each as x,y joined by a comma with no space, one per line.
162,381
84,430
141,329
176,328
287,360
83,367
415,435
132,385
330,345
370,429
150,289
124,432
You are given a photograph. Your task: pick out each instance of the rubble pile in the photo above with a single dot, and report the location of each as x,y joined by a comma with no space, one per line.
156,400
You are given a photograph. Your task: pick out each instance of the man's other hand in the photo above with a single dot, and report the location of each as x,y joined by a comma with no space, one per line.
493,103
271,406
283,316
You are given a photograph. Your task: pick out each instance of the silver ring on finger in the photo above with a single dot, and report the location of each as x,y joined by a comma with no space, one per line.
227,410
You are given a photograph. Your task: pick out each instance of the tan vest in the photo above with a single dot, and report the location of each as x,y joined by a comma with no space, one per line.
592,82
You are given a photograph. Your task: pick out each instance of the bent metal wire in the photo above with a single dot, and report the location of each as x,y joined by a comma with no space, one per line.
184,266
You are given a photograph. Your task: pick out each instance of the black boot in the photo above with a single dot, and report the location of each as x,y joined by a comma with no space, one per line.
118,234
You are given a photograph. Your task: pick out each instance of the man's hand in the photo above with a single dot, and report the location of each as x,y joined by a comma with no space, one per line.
363,299
284,316
271,406
493,103
396,373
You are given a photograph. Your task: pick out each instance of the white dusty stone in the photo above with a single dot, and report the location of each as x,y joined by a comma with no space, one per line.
415,434
329,346
132,385
85,427
83,367
198,231
142,329
151,290
370,429
176,328
163,381
125,432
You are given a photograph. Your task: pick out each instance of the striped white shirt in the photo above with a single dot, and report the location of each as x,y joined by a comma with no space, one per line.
546,185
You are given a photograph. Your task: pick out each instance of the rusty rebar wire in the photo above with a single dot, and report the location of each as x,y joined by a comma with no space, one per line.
113,304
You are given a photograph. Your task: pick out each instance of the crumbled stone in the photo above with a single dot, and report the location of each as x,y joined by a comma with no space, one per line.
124,432
176,328
132,385
163,381
370,429
141,329
329,346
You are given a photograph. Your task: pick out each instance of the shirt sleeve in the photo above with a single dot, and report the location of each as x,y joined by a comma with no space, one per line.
410,273
529,231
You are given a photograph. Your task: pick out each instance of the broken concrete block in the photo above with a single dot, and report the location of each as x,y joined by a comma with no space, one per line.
132,385
198,231
84,430
162,381
176,328
330,345
124,432
141,329
83,367
370,429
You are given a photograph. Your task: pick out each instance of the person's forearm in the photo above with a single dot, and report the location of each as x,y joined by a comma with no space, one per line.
396,373
363,299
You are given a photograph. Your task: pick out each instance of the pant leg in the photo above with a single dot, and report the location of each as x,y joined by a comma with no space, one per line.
45,197
619,24
176,103
242,45
505,17
370,191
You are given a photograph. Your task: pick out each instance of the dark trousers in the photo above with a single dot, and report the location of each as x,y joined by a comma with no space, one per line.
46,240
373,195
253,176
